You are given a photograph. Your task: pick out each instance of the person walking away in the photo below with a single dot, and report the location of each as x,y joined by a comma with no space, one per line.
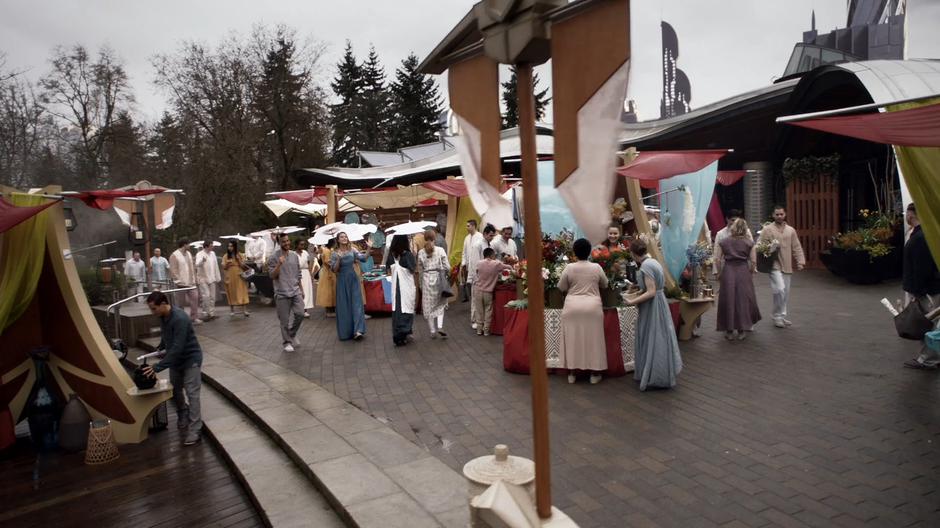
306,277
284,267
183,275
724,233
183,358
657,361
136,272
488,271
582,317
737,302
326,285
469,260
433,270
207,277
236,289
350,310
401,264
159,271
921,283
504,245
790,252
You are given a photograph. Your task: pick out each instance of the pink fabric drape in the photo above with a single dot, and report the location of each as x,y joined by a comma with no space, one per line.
715,217
916,127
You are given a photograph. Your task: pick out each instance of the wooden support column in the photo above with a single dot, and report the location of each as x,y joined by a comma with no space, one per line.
635,197
331,204
533,249
451,232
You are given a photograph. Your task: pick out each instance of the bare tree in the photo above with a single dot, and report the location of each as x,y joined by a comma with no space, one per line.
87,93
23,127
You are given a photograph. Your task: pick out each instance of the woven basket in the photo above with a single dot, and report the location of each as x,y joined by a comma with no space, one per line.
101,446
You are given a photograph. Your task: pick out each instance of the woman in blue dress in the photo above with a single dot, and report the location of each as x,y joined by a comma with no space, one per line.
657,359
350,311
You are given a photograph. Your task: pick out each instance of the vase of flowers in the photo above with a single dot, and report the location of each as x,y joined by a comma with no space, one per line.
699,255
614,261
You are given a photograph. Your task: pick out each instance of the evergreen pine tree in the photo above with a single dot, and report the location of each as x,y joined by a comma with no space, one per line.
346,115
416,106
511,100
375,113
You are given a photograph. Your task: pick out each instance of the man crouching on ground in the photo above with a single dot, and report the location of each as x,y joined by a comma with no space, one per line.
184,359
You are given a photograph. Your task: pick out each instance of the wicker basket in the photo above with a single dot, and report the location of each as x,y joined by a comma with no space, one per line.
101,446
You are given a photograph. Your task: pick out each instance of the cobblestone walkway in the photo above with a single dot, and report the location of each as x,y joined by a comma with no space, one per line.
816,425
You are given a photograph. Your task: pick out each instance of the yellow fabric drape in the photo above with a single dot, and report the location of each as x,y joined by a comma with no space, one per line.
465,212
920,167
23,253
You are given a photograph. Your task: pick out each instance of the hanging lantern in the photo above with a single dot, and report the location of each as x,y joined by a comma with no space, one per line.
137,235
70,221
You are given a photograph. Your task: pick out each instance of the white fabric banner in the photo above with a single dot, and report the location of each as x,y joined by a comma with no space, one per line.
493,207
589,190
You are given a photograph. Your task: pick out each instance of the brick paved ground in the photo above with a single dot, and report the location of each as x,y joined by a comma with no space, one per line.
817,425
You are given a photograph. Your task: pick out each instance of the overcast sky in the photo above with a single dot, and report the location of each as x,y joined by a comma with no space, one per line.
726,46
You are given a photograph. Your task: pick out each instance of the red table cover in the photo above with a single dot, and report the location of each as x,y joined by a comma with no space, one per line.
501,295
375,297
516,349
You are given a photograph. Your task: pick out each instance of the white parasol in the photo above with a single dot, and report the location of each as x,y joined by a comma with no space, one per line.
198,244
410,228
277,229
355,232
239,237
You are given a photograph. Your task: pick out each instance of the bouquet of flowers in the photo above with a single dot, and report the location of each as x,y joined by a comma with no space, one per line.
766,249
455,273
506,276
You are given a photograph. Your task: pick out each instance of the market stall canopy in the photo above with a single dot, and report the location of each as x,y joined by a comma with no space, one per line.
666,164
433,168
396,198
12,215
281,206
914,127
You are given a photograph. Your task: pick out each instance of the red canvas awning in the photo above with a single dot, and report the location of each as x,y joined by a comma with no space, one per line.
456,188
306,196
730,177
105,199
915,127
668,163
12,215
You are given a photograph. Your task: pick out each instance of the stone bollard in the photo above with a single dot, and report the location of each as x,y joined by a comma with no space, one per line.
482,472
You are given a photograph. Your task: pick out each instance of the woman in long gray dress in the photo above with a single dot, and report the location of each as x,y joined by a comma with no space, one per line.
582,320
737,303
657,359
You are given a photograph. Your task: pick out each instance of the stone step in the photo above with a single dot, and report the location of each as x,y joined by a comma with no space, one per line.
371,475
149,344
282,494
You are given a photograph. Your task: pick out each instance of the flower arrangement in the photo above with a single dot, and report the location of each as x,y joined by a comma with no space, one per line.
455,273
875,237
614,262
506,276
699,254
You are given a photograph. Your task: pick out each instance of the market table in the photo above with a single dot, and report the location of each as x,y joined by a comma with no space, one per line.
376,300
619,336
689,312
502,294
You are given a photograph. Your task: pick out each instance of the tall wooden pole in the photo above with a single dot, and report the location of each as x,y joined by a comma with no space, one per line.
533,250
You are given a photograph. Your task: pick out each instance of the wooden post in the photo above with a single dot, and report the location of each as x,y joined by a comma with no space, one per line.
635,197
451,232
533,249
331,205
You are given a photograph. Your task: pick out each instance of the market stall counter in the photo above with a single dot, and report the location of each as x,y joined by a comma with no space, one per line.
502,294
619,336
